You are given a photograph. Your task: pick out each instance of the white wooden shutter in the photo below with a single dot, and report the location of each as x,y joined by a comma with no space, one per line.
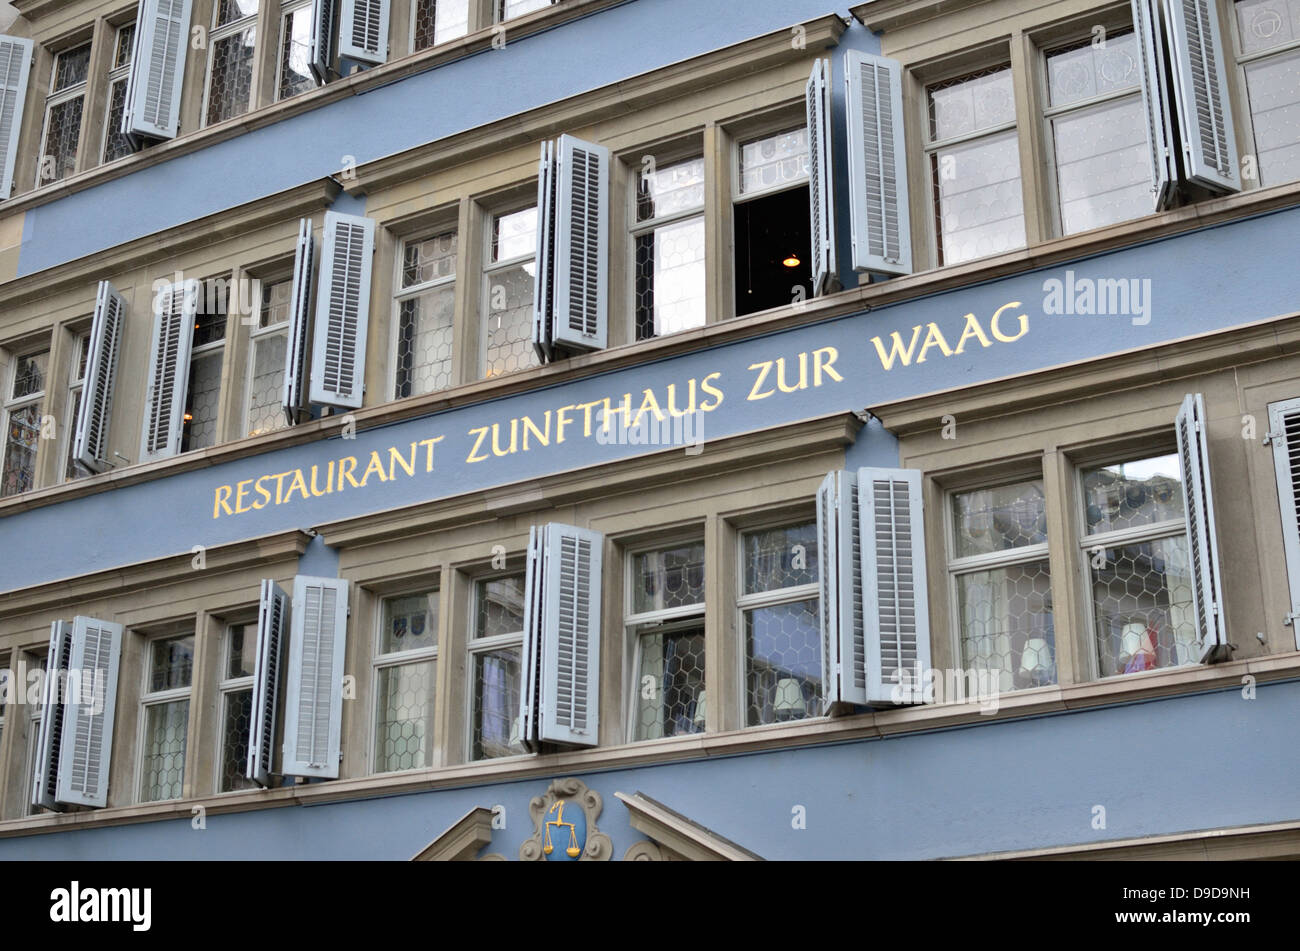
1202,543
15,69
45,778
882,242
87,745
820,178
175,307
570,668
313,707
363,31
338,364
154,88
544,266
839,545
272,621
1201,93
530,669
581,308
1160,157
894,591
294,394
324,18
1284,436
90,446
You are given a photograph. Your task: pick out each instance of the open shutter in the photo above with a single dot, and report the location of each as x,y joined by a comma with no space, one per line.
15,69
313,707
88,726
90,447
581,273
1284,437
839,547
882,242
529,696
1203,546
544,279
1201,93
820,193
570,667
338,364
272,620
363,32
1160,157
154,89
894,592
49,739
324,18
294,394
175,307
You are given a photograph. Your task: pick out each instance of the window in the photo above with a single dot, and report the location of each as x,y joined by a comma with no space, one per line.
165,718
438,21
665,622
202,400
22,419
236,689
76,386
1136,547
1002,584
63,112
36,660
509,9
269,343
424,311
1268,52
1097,131
117,145
294,68
508,293
233,43
495,661
406,667
778,608
974,164
668,242
773,249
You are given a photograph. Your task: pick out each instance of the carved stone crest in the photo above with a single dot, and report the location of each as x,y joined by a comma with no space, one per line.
564,825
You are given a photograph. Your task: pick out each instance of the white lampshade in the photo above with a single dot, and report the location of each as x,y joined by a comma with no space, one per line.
1036,659
701,708
1130,640
789,697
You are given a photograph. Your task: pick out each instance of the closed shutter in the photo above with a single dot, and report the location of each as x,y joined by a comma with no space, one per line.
294,394
313,707
272,621
49,739
363,33
88,726
820,189
1146,25
581,308
882,241
15,69
894,591
175,307
154,89
342,311
324,19
1201,92
90,446
544,278
839,547
1203,545
1284,435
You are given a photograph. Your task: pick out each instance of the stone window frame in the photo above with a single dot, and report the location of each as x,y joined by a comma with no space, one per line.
380,662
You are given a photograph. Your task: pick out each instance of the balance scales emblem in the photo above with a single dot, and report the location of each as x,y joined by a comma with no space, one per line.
574,847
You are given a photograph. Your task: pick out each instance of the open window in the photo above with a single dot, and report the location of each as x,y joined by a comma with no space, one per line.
773,235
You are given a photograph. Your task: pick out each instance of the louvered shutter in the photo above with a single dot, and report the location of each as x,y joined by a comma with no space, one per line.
1155,104
570,669
839,549
88,726
324,18
154,89
175,307
878,208
272,621
894,592
581,308
544,278
363,32
294,393
313,707
49,739
1203,545
820,189
1284,433
1201,93
15,70
342,311
90,446
530,670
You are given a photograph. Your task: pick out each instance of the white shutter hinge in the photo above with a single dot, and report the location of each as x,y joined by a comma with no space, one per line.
1269,437
1291,619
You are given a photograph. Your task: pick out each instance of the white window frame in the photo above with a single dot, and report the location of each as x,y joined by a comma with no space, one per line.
76,388
415,9
287,9
157,698
491,267
206,350
486,645
1242,60
638,229
75,91
256,334
9,404
401,294
227,685
215,35
769,130
118,72
380,662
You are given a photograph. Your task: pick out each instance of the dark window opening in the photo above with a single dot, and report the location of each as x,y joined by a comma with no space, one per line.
773,251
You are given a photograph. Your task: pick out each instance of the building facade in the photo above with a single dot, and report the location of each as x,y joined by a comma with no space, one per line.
639,429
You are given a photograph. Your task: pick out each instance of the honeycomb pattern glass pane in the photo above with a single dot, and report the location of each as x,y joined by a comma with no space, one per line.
510,321
171,663
670,279
243,651
670,684
668,578
438,21
72,469
1132,494
164,750
231,82
781,558
432,259
404,720
228,11
1265,24
62,127
670,189
210,318
1102,175
977,191
125,48
783,675
963,106
116,145
276,299
497,727
29,376
295,54
200,426
235,737
71,68
410,623
1006,624
265,411
514,235
1145,616
510,9
999,519
1273,86
1084,71
21,439
424,341
499,606
774,162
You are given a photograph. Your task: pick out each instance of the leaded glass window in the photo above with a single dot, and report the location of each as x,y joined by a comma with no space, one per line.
63,113
1268,50
22,421
406,667
668,244
166,717
508,293
425,307
495,650
665,625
